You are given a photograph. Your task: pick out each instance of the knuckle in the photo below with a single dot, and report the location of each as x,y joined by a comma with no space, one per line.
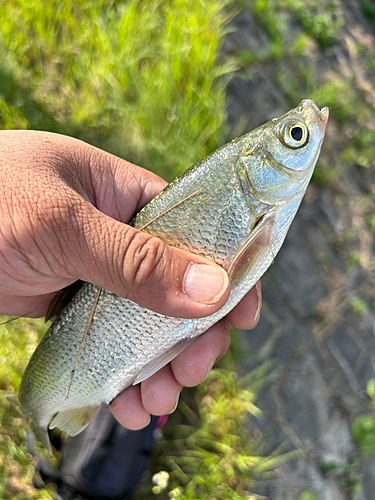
60,218
56,226
110,178
144,260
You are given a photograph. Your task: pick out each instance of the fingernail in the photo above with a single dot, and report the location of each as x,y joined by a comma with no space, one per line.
175,406
209,370
205,284
259,303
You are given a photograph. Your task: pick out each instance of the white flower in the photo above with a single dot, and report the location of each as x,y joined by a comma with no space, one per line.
161,479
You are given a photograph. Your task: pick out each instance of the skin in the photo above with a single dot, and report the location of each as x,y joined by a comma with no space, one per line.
63,205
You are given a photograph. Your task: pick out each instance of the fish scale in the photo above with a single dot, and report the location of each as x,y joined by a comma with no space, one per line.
206,220
235,208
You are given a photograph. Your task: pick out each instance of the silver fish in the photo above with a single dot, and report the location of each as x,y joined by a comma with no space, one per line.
239,204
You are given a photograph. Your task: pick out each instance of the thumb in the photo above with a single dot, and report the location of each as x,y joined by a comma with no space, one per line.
143,268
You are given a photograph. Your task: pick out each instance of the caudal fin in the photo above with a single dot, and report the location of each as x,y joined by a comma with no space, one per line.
41,433
13,399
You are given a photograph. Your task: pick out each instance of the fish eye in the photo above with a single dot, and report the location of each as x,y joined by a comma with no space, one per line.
294,135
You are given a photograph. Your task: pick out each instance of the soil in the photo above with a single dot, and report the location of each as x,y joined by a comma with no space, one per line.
317,323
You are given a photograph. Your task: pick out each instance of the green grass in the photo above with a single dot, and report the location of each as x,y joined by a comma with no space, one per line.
363,427
209,452
318,19
368,8
307,495
363,430
18,340
143,80
288,52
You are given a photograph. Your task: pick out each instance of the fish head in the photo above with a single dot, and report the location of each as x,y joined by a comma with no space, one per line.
280,156
295,138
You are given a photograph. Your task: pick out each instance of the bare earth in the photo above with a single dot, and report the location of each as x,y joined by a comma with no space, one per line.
318,321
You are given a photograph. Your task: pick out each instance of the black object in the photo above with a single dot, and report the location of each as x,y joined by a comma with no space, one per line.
104,462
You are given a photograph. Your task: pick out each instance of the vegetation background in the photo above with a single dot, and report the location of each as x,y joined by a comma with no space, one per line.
162,84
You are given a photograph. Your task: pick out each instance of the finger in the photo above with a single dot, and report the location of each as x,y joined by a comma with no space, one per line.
160,392
245,315
72,239
120,189
98,249
30,307
143,268
116,187
128,409
194,364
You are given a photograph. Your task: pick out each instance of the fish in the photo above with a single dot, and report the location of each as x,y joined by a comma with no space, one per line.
234,208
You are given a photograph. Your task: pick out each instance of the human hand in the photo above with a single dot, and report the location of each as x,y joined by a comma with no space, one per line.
62,208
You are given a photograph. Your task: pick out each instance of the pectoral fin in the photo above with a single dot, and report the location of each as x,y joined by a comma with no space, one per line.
74,421
252,249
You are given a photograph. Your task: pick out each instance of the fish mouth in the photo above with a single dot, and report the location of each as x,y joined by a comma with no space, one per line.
324,112
321,115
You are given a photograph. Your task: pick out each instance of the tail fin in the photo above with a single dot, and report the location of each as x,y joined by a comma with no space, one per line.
41,433
13,399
